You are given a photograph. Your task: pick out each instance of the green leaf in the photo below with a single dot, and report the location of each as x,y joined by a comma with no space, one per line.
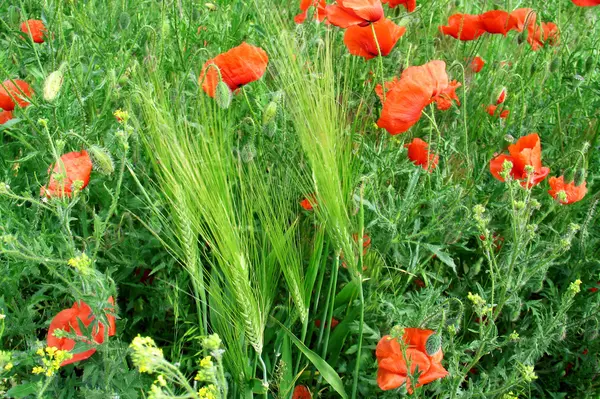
21,391
443,256
324,368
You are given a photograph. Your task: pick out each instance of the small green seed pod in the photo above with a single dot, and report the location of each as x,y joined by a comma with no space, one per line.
433,344
554,65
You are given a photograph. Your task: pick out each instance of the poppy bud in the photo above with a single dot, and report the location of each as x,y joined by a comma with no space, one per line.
53,84
533,68
580,177
223,95
124,20
433,344
102,160
269,113
569,175
14,15
521,38
554,65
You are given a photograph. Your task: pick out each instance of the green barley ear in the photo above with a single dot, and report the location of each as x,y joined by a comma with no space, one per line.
223,95
580,176
433,344
569,175
102,160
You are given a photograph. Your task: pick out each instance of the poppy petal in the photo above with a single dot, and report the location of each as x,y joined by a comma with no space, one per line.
387,380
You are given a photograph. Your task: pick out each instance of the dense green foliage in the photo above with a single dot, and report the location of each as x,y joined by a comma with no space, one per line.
192,218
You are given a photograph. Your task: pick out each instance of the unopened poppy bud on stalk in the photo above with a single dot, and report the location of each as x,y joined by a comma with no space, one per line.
102,160
53,84
223,95
269,113
579,177
569,175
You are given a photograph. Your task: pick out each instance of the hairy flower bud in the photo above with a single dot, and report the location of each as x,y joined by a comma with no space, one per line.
269,113
223,95
102,160
433,344
580,176
569,175
53,84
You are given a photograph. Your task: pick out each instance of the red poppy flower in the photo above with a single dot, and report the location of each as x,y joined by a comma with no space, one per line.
309,202
586,3
393,365
418,87
301,392
572,192
594,289
360,40
463,26
410,5
502,96
74,166
527,151
497,240
334,323
69,319
239,66
540,35
491,109
17,89
319,6
419,154
37,28
5,116
477,64
497,22
366,242
347,13
523,18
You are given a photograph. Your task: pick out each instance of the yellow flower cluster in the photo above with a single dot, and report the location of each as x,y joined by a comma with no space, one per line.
208,392
146,356
81,263
51,358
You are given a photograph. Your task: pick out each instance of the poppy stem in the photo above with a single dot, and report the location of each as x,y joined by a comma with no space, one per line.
380,60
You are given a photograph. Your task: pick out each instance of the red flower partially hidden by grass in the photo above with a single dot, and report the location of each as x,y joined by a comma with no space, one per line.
239,66
503,114
586,3
477,64
572,193
309,202
67,320
419,154
501,96
464,27
332,325
319,6
418,87
347,13
410,5
5,116
527,151
301,392
393,365
595,289
37,28
74,166
547,33
523,18
360,40
17,89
